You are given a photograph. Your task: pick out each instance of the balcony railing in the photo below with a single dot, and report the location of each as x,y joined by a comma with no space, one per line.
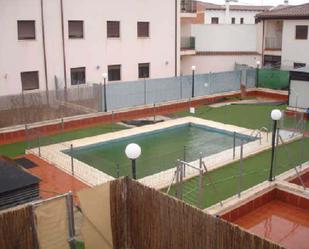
273,43
188,6
188,43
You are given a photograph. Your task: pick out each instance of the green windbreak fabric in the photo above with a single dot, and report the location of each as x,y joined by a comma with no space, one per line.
274,79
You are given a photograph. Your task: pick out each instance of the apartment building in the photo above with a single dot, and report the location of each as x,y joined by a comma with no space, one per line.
213,41
209,13
231,14
74,42
285,42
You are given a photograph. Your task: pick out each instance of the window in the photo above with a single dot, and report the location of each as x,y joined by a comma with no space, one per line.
142,29
301,32
26,30
299,65
78,76
215,20
29,80
272,61
233,20
76,29
241,20
113,29
143,70
114,72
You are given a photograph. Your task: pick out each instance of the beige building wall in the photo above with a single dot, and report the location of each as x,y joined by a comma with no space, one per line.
95,51
294,50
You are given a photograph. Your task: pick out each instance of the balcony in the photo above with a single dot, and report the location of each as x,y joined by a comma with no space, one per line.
188,8
273,43
187,45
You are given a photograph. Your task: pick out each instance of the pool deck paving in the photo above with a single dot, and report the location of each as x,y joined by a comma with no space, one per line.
280,222
54,181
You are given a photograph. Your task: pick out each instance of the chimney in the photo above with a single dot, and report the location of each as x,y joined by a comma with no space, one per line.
286,2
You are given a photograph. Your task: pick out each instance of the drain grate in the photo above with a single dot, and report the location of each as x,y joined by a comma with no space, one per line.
25,163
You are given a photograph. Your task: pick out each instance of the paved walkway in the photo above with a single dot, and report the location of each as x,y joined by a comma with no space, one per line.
245,101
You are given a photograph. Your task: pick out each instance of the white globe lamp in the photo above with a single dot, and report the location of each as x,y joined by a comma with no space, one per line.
133,151
276,114
104,75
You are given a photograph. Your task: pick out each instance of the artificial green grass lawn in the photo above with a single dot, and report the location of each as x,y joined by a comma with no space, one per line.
255,168
16,149
79,245
255,171
248,116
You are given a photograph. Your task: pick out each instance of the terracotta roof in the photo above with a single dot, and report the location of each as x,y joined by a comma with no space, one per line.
286,12
211,6
224,53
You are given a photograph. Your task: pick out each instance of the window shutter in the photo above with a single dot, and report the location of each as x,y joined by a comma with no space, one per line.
113,29
76,29
143,29
30,80
26,30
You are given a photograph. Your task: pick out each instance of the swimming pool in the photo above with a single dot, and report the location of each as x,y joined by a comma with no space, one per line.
160,149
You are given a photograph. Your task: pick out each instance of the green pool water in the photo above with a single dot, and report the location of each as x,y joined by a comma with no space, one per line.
160,149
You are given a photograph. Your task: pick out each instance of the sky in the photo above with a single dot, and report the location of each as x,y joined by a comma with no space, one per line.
260,2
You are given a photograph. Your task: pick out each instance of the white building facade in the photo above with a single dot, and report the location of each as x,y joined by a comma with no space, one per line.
285,43
75,42
279,38
232,14
293,50
219,47
220,42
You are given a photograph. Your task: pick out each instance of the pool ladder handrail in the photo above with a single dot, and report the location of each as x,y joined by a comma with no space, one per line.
258,133
264,129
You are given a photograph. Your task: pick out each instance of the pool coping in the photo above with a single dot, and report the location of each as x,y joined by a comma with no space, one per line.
92,176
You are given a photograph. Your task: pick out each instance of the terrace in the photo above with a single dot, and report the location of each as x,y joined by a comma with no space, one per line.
187,45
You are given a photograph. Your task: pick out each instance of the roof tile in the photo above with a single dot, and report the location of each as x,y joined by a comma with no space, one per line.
298,11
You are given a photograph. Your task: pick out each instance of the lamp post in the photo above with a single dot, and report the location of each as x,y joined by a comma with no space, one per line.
193,78
275,116
258,63
104,75
133,151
